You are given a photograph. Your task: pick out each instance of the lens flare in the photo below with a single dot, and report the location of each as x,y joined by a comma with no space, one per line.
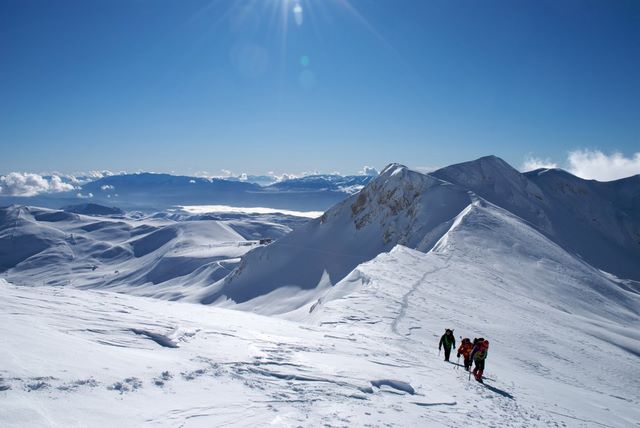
298,14
255,22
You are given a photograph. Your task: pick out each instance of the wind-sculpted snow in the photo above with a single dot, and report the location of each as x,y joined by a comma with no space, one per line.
160,339
395,384
86,358
152,256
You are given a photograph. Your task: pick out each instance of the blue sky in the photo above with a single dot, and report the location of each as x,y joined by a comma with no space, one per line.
326,85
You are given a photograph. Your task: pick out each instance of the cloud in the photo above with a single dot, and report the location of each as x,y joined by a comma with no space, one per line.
57,185
86,177
106,187
29,184
369,170
593,164
285,176
99,174
81,178
282,177
531,163
87,196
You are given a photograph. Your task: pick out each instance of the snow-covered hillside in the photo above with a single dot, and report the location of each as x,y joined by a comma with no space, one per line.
564,346
599,222
397,207
542,264
166,256
405,207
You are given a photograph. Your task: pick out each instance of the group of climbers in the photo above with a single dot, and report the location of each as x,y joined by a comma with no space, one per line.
473,352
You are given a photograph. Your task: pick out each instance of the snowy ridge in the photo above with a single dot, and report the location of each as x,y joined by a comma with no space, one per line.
395,208
599,222
362,295
367,356
408,208
555,323
229,367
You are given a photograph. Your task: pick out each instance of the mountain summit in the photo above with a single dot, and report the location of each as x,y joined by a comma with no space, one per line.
591,221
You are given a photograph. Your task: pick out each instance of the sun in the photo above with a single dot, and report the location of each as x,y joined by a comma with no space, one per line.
263,29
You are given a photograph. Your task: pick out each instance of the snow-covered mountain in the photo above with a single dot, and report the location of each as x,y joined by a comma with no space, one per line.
543,264
595,222
393,209
93,210
599,222
323,182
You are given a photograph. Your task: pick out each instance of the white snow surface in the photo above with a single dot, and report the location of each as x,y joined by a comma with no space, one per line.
204,209
564,346
151,256
340,318
591,221
398,207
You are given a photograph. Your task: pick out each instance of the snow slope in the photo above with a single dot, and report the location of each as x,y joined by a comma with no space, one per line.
362,295
564,346
89,358
599,222
152,256
399,206
596,222
565,339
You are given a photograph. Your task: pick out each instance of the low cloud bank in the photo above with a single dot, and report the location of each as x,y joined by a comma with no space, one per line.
594,164
591,164
29,184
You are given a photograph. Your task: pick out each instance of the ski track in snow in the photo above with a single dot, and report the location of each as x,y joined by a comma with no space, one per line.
232,368
405,301
499,403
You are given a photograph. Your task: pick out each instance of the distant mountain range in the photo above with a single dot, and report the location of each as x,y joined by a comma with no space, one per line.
153,192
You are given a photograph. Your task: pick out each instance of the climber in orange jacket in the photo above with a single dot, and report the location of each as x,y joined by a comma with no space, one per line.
479,355
465,350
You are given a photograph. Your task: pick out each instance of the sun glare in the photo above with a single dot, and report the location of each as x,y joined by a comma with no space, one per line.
263,30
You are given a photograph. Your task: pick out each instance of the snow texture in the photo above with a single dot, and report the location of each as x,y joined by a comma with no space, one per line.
339,318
